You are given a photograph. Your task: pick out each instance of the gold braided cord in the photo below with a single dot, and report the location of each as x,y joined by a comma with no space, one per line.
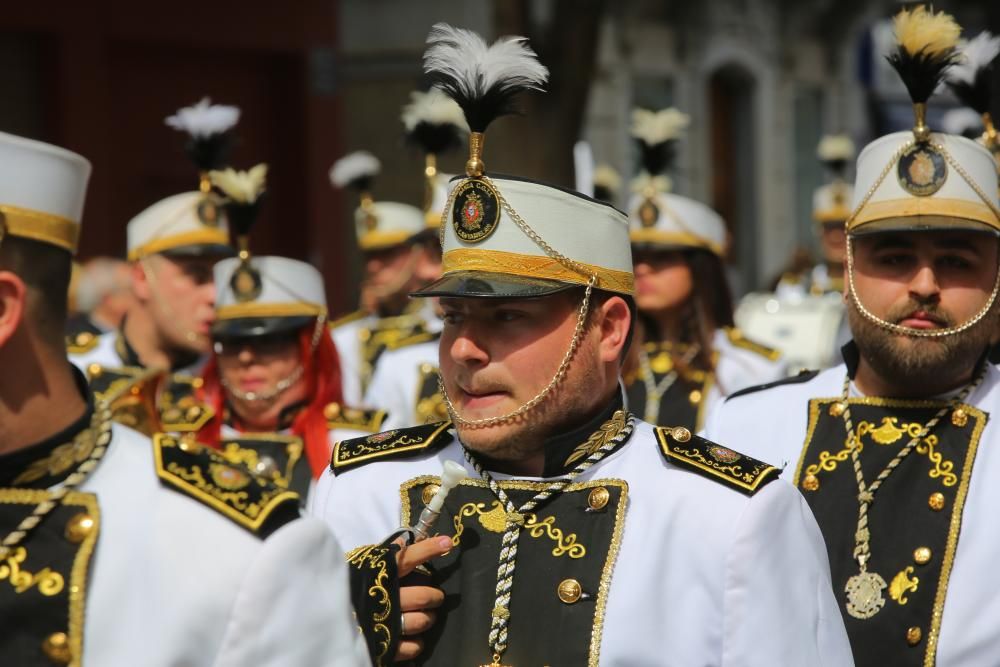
866,494
100,426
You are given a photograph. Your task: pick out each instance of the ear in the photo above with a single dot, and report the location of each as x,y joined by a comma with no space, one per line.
140,282
13,296
614,320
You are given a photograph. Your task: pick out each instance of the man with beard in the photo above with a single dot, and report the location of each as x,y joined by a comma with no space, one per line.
715,566
892,449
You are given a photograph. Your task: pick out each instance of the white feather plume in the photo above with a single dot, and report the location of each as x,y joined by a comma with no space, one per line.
656,127
204,119
835,147
606,176
962,120
433,107
243,187
977,53
481,78
645,183
353,166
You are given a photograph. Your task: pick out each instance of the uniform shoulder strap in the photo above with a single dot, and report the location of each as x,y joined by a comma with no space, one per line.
345,319
802,376
739,340
389,445
180,409
721,464
356,419
232,490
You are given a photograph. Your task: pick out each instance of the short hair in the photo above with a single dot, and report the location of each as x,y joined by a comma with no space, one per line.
45,270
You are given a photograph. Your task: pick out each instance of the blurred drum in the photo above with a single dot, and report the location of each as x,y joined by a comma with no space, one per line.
809,329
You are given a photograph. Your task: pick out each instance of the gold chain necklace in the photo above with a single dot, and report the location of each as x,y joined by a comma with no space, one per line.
864,589
656,390
100,426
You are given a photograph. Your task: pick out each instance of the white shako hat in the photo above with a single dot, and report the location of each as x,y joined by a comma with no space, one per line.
505,236
658,218
190,223
832,201
379,224
288,295
921,179
42,190
434,124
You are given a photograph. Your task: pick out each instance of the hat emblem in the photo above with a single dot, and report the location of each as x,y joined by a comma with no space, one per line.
246,283
649,213
208,212
922,170
476,211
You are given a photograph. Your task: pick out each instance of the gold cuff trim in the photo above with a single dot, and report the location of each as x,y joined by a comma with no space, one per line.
673,239
535,266
240,310
379,240
836,214
206,236
925,206
38,226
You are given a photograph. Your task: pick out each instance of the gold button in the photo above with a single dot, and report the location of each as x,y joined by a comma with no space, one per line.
193,413
331,411
837,409
598,498
914,635
56,648
79,527
189,445
695,397
428,493
922,555
197,383
94,371
171,415
84,338
936,501
959,417
810,482
680,434
569,591
426,368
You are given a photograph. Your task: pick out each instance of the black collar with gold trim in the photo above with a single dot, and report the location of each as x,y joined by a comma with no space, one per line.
49,462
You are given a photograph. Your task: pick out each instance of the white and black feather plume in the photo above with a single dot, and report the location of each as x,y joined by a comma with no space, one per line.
657,133
970,78
926,46
207,126
355,170
434,122
482,79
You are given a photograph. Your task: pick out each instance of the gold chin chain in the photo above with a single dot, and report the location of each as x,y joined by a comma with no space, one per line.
100,430
864,590
656,390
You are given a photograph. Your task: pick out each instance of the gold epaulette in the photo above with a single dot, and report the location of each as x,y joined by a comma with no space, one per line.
389,445
737,338
357,419
346,319
82,342
180,409
131,393
419,337
737,471
232,490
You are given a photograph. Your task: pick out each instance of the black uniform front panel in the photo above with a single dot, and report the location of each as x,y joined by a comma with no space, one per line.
565,556
914,521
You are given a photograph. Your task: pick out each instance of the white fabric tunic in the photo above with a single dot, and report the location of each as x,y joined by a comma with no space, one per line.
347,340
705,576
772,425
397,381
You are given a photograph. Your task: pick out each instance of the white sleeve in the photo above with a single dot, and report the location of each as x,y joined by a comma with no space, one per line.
779,606
293,608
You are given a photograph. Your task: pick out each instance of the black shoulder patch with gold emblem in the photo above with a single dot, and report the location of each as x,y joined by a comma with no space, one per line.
180,409
357,419
737,471
81,342
251,501
802,376
737,338
389,445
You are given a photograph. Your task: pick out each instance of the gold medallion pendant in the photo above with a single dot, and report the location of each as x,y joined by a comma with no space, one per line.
864,595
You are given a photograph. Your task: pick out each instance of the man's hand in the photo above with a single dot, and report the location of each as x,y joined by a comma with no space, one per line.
418,602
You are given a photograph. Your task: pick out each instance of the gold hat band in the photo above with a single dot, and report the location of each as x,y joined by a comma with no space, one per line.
832,214
925,206
673,239
204,236
536,266
39,226
238,311
378,240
